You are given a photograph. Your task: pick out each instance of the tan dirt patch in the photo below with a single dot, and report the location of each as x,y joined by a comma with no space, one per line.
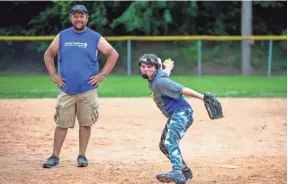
247,146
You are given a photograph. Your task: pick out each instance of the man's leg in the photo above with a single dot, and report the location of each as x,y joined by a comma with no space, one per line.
87,114
64,118
59,137
84,136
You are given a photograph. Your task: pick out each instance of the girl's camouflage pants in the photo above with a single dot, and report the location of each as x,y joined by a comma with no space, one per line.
173,132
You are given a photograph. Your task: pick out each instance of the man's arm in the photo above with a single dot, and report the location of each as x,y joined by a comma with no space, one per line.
112,55
192,93
49,55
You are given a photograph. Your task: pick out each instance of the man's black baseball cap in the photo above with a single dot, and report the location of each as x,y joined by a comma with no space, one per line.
79,8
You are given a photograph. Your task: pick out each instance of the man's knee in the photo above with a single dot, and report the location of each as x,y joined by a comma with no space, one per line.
85,127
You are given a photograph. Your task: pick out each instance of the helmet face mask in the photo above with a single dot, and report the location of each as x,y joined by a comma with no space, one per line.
149,59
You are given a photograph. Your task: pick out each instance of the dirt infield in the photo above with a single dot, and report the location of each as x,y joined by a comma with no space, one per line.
248,146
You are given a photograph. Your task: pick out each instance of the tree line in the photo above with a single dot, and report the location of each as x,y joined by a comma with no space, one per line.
112,18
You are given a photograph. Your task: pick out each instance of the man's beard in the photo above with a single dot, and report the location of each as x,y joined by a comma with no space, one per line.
79,29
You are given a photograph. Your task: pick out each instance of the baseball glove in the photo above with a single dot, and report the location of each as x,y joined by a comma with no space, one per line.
213,106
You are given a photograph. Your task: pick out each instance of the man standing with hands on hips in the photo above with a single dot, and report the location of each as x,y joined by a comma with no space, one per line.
77,48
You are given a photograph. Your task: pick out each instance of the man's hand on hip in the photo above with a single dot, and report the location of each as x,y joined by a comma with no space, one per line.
96,79
60,82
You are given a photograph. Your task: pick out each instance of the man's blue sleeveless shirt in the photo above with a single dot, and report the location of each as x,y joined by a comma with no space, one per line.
78,60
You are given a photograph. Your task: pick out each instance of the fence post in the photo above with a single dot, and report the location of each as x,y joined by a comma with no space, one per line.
128,57
270,57
246,30
199,64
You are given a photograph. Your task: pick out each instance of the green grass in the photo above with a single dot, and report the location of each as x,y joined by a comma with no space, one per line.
39,86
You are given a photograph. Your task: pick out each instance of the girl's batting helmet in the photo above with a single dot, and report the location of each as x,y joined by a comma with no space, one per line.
151,59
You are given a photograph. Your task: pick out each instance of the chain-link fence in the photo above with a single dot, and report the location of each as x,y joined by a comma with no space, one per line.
217,57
